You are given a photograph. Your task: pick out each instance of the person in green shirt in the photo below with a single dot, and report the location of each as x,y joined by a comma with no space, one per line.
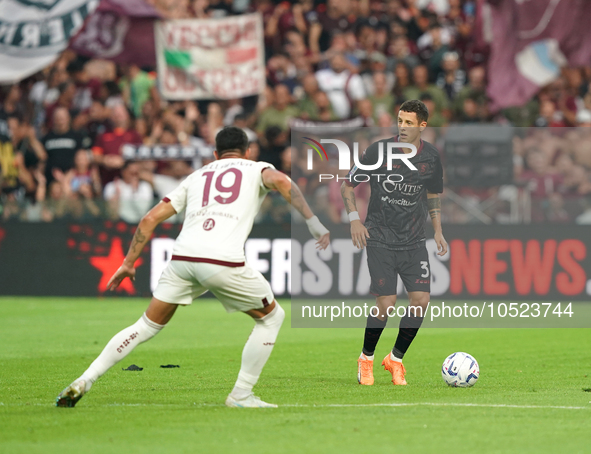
382,100
307,106
476,88
420,76
436,120
137,87
279,114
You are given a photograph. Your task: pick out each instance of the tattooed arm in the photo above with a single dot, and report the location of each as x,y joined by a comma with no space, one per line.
359,233
143,233
434,207
273,179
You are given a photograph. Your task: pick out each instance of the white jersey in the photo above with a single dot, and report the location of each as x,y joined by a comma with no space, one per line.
221,201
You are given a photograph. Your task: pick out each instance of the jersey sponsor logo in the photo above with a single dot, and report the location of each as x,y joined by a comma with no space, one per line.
404,188
402,202
208,224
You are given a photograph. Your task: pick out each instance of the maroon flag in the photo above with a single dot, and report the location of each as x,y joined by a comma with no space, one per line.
530,42
121,31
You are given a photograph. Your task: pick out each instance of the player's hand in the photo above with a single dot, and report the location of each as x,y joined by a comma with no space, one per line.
323,241
123,272
359,234
441,244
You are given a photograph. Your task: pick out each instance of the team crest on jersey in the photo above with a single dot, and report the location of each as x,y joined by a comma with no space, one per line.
381,282
423,167
208,224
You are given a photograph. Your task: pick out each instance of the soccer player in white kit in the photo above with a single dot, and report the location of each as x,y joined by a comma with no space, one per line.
221,201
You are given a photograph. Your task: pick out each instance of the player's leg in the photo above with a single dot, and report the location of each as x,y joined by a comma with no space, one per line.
381,263
246,290
416,275
410,323
256,352
171,287
120,345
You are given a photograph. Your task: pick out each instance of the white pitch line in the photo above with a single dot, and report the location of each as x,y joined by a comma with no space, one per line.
393,404
439,404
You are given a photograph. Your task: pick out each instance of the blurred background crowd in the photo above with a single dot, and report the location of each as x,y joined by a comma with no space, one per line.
325,61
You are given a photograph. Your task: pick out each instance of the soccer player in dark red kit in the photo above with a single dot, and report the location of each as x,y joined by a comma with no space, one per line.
394,234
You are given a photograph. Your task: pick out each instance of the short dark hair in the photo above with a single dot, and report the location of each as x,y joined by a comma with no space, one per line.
229,139
416,106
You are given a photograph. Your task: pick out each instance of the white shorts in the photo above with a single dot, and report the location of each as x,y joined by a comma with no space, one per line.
238,288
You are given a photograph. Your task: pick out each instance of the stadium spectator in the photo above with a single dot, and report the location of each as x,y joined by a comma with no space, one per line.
342,87
420,78
476,88
241,121
128,197
65,99
107,148
61,144
13,101
279,113
306,105
28,152
137,87
167,180
87,88
382,100
400,52
452,79
377,64
280,70
549,117
436,119
323,110
84,178
9,181
433,45
325,24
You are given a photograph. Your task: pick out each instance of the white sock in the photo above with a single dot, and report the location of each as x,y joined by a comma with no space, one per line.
119,347
257,350
363,356
395,358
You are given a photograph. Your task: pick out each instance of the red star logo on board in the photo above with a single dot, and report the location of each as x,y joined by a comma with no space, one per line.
109,264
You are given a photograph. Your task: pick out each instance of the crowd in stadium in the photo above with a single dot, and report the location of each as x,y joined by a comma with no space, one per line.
325,62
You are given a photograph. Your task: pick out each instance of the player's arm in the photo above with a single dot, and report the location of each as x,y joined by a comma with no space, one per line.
143,233
359,233
273,179
434,207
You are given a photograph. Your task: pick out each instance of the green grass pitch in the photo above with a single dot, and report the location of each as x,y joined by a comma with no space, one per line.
530,396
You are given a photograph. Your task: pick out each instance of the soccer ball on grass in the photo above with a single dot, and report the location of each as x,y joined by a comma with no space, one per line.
460,370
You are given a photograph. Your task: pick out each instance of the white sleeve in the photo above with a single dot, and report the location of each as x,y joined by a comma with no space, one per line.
263,166
356,90
178,197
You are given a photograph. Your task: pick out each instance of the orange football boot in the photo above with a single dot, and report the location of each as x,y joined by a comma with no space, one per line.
365,370
396,369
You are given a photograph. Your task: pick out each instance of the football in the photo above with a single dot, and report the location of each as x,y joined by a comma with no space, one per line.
460,370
